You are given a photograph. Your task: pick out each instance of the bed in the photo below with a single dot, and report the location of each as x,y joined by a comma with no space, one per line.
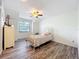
37,40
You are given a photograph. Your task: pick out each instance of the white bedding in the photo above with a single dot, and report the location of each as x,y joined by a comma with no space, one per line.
37,40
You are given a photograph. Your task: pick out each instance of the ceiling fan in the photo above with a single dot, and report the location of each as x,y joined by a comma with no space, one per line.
36,13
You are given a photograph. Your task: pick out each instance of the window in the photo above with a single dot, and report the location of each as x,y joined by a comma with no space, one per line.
24,26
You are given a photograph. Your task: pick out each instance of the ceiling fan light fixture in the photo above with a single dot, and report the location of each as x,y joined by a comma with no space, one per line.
36,13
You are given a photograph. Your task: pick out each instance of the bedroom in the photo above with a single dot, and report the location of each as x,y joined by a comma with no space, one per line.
60,19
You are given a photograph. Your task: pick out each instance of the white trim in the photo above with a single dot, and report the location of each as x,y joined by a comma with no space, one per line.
0,52
66,42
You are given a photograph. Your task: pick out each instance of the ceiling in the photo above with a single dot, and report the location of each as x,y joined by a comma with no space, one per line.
52,7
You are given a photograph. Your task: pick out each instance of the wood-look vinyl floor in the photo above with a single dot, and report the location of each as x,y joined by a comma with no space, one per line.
52,50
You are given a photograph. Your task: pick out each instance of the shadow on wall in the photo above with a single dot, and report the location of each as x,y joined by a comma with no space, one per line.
60,39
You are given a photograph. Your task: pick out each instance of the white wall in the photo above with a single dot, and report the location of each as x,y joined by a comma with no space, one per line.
13,7
63,26
2,17
0,38
16,10
78,27
61,19
14,20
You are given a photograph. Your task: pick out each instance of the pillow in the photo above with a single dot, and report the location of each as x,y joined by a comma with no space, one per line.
46,34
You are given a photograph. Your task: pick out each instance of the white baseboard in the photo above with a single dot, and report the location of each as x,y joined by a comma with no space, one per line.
66,42
0,52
